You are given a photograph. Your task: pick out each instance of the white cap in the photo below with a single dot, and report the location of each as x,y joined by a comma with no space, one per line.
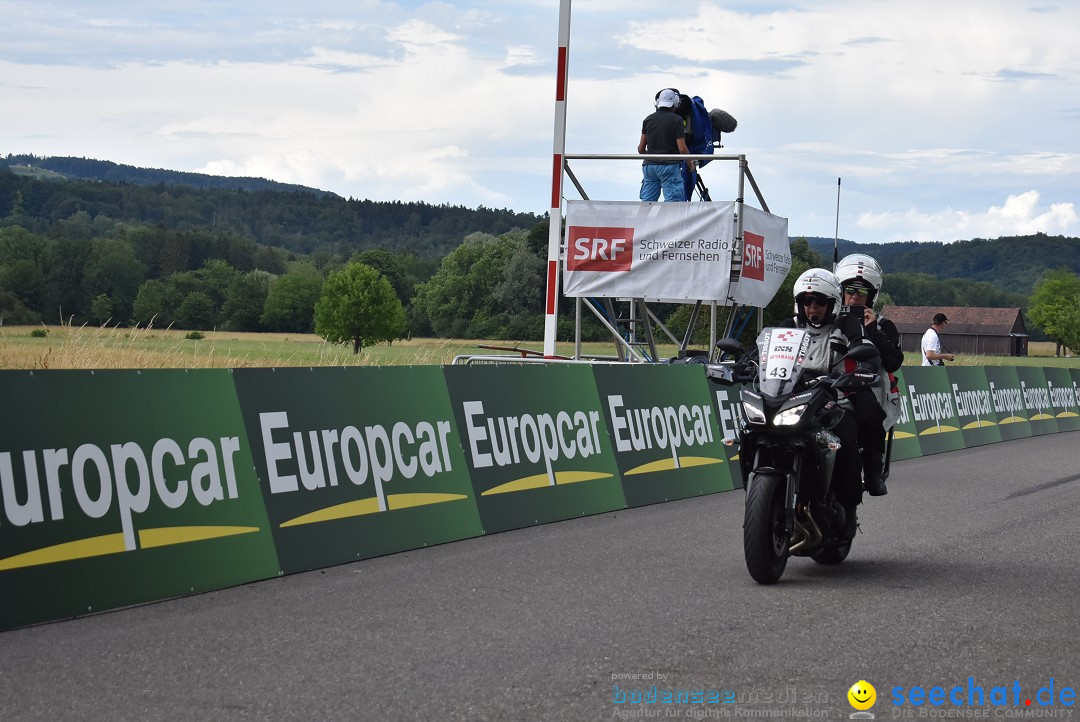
668,98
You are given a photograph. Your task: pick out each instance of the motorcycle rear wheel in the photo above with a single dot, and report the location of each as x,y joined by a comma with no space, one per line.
765,543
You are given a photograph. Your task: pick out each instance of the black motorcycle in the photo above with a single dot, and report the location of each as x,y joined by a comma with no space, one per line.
787,451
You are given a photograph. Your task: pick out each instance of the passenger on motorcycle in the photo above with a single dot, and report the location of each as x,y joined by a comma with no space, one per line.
876,410
817,298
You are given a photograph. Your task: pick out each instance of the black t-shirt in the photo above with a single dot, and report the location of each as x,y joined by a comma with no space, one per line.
661,130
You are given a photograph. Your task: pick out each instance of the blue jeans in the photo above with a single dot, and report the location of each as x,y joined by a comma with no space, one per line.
668,176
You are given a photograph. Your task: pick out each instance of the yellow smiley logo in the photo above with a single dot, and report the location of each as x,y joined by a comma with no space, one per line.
862,695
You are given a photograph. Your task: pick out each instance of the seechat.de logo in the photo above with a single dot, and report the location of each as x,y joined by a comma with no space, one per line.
753,262
599,248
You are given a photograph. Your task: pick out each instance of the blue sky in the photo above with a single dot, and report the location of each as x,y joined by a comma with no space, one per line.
946,120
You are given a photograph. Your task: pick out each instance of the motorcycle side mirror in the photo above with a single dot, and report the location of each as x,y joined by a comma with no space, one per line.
731,346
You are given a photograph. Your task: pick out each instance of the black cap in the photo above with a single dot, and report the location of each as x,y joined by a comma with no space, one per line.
940,318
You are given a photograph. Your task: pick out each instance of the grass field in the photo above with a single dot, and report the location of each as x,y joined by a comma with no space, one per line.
85,347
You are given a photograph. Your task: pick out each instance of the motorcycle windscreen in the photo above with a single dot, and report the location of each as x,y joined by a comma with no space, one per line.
781,352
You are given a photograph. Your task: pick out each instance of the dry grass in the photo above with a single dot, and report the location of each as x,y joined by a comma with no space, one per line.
88,347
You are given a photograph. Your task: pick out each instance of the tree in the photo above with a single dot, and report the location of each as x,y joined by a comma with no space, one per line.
156,304
196,311
1055,304
114,270
244,301
459,300
101,308
358,304
290,302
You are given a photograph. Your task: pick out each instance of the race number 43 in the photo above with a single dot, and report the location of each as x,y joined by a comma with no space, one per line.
599,248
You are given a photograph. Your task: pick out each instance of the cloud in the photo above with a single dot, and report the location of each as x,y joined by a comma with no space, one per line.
945,108
1020,215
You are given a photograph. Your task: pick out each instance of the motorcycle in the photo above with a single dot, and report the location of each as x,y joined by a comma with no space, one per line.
787,449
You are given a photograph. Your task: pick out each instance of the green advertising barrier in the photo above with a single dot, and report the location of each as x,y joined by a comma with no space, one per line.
356,462
727,406
930,396
121,487
1036,395
905,443
1074,374
663,431
974,409
536,442
1007,402
1063,399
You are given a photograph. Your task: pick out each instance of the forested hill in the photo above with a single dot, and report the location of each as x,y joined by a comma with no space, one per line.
1013,263
299,221
104,170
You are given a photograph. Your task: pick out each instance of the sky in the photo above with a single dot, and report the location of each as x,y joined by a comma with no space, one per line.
945,120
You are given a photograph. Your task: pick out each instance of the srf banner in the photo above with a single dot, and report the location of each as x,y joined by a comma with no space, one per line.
766,257
664,251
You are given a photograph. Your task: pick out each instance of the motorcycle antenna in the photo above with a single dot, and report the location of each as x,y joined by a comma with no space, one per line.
836,231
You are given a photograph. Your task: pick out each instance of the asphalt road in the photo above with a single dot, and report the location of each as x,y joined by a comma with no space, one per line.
968,569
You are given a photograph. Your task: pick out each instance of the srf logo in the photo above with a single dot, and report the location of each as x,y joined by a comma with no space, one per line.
753,260
599,248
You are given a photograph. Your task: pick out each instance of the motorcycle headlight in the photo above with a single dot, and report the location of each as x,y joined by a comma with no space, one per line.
789,417
753,413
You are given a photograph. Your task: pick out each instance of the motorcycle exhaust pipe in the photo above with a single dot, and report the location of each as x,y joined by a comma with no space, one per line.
808,537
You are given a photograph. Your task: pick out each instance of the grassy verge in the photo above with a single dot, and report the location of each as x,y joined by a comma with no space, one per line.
85,347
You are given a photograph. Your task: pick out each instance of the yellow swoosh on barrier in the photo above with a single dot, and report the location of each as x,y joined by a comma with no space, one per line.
936,430
78,549
114,544
361,507
668,464
405,501
1067,414
166,536
539,481
979,424
1041,417
1012,420
903,435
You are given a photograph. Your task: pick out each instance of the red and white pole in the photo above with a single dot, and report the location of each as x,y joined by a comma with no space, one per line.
551,311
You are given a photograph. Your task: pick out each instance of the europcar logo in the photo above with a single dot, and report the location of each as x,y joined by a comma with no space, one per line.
532,439
310,460
667,430
75,487
599,248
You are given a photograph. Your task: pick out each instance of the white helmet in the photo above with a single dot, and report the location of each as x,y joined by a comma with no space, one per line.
859,266
822,284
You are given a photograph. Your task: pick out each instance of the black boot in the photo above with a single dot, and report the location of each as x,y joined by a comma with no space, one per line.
872,465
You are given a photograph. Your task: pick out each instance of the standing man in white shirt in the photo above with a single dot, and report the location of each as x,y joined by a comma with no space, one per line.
932,354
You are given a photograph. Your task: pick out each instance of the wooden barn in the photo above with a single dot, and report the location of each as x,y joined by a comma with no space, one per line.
980,331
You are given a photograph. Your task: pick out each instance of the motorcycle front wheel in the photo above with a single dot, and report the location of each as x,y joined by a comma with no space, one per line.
765,543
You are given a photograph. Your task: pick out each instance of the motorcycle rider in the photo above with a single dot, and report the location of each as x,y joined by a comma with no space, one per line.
876,409
817,300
